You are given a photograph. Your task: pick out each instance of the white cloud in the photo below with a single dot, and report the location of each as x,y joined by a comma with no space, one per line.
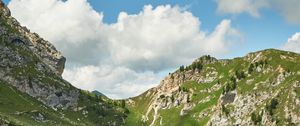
223,36
293,43
72,26
287,8
164,37
241,6
116,82
127,57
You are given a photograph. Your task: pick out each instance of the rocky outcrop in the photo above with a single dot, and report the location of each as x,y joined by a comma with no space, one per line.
170,94
252,90
32,64
228,98
21,35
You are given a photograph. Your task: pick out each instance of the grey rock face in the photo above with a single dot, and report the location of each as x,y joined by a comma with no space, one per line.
42,48
228,98
246,105
35,84
33,65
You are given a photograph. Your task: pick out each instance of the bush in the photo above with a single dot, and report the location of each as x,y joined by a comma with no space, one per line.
233,79
123,103
162,96
251,68
181,68
225,110
274,103
256,118
184,89
194,66
229,87
271,106
172,98
233,84
240,75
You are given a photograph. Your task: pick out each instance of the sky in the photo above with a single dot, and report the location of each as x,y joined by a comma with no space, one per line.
123,48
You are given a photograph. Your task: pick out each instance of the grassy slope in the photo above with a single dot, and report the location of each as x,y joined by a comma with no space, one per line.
274,60
19,109
172,116
136,111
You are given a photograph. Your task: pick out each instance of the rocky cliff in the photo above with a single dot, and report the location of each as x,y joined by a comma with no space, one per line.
21,35
261,88
32,89
28,60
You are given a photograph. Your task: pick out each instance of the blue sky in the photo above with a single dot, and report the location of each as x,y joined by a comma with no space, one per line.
268,31
123,58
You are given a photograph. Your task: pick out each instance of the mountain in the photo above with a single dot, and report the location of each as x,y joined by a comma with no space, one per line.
98,93
261,88
32,91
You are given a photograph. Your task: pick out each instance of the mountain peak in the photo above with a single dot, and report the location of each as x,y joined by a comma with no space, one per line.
234,90
21,36
32,89
98,93
261,88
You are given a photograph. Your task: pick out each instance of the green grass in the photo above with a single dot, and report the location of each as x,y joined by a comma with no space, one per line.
171,117
261,80
211,102
19,108
13,102
137,110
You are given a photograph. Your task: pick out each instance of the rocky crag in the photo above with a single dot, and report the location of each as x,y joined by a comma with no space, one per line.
261,88
32,89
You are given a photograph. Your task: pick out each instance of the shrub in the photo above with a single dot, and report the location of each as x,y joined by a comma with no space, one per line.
240,75
251,68
172,98
123,103
229,87
184,89
274,103
181,68
194,66
225,110
271,106
256,118
233,79
232,86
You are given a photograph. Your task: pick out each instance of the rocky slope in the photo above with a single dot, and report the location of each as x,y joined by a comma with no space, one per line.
32,91
261,88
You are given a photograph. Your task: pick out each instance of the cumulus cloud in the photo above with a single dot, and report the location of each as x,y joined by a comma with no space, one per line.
222,38
115,82
127,57
241,6
288,9
163,37
293,43
72,26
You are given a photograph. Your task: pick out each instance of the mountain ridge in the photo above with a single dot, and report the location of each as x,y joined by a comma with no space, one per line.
261,88
33,91
193,94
